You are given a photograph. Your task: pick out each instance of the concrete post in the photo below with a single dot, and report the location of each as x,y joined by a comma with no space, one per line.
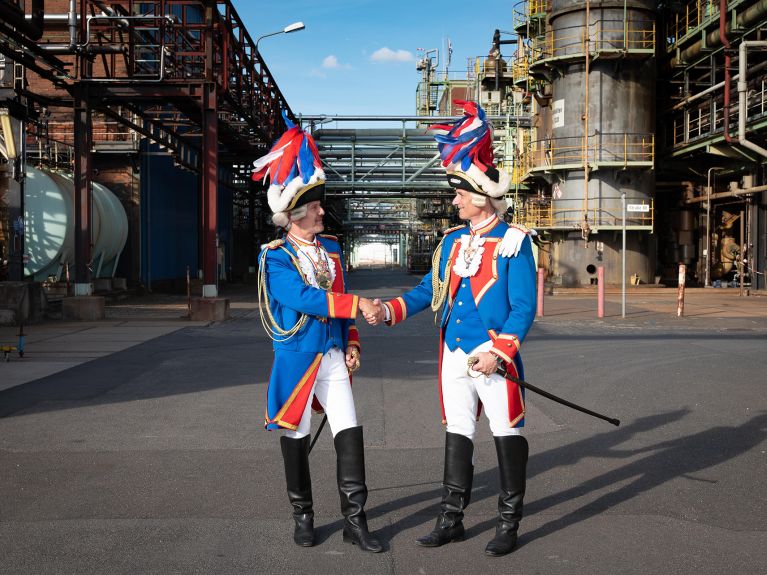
680,291
541,273
601,291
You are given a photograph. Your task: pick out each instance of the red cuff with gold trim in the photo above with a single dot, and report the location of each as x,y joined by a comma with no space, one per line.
397,310
343,305
354,336
506,347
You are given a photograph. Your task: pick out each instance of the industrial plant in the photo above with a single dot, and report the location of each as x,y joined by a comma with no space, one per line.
633,131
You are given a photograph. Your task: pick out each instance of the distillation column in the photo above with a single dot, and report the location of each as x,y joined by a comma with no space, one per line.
602,144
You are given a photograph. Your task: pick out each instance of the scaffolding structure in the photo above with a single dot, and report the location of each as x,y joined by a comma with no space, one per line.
712,127
183,74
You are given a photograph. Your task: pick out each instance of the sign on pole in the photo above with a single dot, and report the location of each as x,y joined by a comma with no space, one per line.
637,207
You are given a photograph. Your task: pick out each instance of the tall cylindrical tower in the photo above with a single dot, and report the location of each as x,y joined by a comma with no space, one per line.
602,68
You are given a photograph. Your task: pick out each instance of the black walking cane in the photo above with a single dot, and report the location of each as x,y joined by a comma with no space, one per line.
521,383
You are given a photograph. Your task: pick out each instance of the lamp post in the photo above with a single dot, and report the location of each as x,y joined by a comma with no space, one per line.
294,27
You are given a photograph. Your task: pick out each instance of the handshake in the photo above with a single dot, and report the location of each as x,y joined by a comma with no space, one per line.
372,310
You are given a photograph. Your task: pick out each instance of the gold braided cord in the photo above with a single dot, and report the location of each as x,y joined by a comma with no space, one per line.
439,286
270,324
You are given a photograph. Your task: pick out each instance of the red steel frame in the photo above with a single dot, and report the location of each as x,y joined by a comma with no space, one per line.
187,68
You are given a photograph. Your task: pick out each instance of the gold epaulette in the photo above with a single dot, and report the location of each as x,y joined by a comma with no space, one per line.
274,244
453,229
328,236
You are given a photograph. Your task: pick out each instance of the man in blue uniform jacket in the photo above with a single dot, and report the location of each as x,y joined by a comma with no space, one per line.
484,274
310,317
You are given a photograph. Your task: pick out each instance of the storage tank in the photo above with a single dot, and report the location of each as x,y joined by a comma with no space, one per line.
618,110
49,210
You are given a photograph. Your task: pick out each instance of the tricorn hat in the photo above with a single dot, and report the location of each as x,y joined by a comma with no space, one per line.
294,170
466,150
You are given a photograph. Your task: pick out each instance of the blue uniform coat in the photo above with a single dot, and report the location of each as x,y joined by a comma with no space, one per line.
329,323
504,292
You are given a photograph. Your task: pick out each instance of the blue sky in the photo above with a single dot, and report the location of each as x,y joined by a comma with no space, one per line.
359,57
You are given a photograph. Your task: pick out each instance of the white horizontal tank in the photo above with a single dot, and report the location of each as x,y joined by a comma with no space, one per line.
49,209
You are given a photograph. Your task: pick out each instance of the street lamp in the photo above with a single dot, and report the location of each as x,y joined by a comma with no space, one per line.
294,27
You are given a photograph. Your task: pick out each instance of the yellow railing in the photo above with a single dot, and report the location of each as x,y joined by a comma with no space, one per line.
520,67
706,117
534,214
603,36
519,14
614,149
614,35
536,7
483,66
695,14
528,10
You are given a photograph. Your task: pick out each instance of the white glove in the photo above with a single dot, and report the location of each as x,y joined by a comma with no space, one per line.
512,240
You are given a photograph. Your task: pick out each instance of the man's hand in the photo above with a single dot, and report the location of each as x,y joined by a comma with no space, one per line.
486,363
372,311
352,358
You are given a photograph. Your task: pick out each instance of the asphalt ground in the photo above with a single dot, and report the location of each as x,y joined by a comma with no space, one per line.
151,457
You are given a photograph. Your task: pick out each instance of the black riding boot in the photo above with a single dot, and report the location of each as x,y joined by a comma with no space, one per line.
512,464
295,454
456,492
350,454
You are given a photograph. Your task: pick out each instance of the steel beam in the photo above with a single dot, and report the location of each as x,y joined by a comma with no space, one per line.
83,143
209,191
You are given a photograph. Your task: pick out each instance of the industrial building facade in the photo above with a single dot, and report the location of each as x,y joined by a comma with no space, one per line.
633,131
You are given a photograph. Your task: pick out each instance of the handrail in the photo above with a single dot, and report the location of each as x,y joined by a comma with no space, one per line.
604,36
627,149
692,124
546,214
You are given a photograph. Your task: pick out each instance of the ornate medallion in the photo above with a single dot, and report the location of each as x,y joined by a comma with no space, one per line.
323,280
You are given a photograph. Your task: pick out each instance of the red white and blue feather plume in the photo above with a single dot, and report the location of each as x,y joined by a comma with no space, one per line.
292,165
467,146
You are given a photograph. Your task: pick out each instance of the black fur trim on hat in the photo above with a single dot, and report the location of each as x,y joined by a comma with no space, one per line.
461,181
309,195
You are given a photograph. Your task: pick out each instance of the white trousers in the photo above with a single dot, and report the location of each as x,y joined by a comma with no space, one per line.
461,394
333,390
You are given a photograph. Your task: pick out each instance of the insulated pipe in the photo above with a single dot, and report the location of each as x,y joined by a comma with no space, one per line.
52,17
525,120
72,24
707,91
740,192
750,16
68,49
586,32
727,63
742,97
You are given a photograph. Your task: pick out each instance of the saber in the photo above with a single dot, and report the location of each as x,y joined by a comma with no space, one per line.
317,435
502,372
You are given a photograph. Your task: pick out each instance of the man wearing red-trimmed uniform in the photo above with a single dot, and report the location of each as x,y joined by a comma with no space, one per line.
310,317
484,273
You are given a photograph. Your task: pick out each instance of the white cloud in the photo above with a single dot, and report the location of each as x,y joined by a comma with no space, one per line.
332,62
386,55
